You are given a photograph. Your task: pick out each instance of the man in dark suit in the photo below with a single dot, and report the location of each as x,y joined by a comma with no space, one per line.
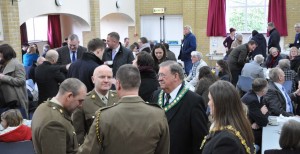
277,99
184,109
116,55
48,76
83,68
274,37
70,53
257,111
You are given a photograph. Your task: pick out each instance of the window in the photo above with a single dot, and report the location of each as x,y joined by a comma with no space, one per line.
37,29
247,15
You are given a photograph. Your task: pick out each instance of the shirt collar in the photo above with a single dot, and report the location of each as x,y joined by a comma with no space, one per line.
101,96
174,93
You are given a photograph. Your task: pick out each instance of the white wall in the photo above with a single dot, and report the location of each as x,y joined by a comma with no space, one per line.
115,22
33,8
109,6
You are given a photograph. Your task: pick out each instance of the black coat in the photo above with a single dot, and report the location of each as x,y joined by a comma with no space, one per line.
274,39
123,56
48,77
261,45
64,54
149,84
255,115
83,69
295,63
224,142
187,123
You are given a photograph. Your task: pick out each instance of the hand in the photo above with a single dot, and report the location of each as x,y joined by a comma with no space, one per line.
254,126
264,109
1,75
68,66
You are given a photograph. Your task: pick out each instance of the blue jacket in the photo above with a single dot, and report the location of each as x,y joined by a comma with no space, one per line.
189,44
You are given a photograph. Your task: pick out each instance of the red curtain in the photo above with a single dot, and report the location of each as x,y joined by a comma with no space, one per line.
54,31
277,15
216,25
23,31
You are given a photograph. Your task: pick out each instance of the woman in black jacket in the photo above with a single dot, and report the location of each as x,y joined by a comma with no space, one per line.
230,131
149,81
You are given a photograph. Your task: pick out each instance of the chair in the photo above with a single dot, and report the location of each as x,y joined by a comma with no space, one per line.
23,147
244,83
288,85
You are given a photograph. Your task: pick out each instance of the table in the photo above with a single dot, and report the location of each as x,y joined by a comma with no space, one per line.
214,58
270,137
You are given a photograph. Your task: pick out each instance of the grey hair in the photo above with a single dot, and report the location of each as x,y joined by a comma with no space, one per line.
51,55
297,25
273,48
284,64
259,59
71,85
174,68
188,27
197,54
73,37
274,74
239,36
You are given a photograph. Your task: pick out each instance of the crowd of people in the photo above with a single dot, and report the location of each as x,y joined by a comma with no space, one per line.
119,98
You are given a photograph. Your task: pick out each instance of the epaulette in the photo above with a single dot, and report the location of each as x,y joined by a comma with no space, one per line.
153,104
113,93
89,93
107,107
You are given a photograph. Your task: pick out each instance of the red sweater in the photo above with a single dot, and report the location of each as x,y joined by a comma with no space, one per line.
21,133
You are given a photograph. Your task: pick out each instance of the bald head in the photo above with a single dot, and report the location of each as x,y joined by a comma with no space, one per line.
102,79
52,56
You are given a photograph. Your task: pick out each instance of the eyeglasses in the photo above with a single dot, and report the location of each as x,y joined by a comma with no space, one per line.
161,75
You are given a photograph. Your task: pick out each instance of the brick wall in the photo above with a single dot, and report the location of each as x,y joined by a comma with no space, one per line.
292,12
95,23
11,25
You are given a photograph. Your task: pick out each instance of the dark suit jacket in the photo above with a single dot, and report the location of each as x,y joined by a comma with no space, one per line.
255,115
48,77
282,151
274,39
223,142
124,56
64,54
187,123
189,44
83,69
275,101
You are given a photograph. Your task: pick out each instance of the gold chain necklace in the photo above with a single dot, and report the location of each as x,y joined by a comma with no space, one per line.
235,132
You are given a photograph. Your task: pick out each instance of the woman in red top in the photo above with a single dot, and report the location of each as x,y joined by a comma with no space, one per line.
13,128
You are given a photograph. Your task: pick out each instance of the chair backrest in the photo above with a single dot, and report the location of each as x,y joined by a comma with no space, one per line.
244,83
23,147
288,85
